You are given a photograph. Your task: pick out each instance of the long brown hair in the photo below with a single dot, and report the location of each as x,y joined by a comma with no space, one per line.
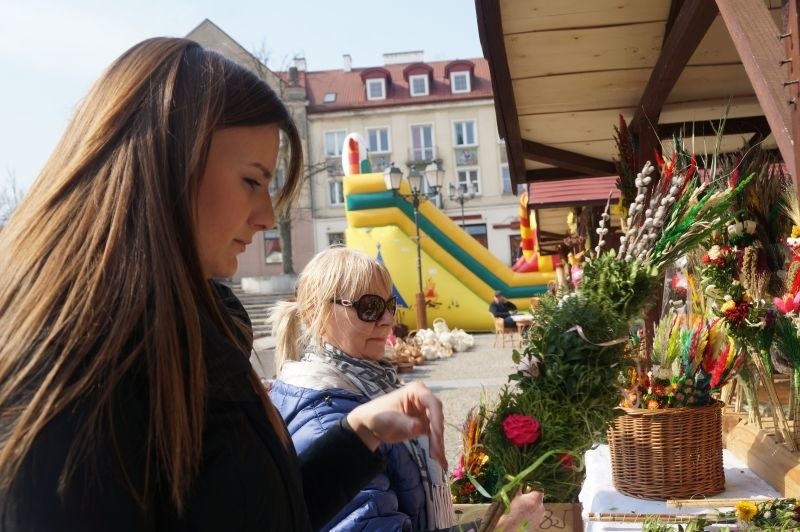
99,266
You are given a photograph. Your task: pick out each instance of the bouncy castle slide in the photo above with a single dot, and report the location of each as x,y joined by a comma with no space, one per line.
459,275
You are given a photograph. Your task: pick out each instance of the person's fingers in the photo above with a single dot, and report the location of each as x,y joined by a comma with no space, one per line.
431,411
527,510
401,415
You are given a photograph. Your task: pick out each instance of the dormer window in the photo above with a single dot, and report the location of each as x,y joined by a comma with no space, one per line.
460,72
377,83
460,82
419,77
418,85
376,89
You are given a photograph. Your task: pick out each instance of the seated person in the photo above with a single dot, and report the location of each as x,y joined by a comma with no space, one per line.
502,308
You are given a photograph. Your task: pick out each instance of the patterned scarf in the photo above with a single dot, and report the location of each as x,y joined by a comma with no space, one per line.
374,379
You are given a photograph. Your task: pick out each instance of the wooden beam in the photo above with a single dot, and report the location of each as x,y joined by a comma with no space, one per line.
755,37
674,8
551,174
733,126
490,31
581,164
685,34
791,26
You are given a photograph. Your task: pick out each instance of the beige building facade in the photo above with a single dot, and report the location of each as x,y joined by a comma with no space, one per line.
457,129
409,112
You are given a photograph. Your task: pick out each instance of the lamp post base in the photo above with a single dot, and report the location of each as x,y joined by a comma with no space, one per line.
422,315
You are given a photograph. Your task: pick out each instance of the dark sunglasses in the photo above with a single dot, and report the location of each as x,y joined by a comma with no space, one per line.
369,307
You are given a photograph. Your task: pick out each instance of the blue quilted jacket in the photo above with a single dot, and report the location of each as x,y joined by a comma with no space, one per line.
394,500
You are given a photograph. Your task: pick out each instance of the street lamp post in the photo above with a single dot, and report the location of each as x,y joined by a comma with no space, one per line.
393,177
459,193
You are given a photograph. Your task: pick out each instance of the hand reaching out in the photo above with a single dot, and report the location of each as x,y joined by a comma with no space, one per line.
526,512
405,413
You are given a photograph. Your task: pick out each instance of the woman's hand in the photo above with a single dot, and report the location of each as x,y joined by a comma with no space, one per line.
405,413
526,512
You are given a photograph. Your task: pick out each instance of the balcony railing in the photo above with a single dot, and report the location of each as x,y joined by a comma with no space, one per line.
422,156
380,161
334,166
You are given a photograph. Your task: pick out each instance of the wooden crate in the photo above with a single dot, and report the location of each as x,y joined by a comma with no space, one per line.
772,461
564,517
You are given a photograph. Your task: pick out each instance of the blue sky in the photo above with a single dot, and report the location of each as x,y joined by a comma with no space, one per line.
51,51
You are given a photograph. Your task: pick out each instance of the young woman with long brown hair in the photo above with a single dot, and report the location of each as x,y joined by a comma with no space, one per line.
126,398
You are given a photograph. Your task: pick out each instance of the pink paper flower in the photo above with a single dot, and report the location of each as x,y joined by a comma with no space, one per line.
788,304
521,430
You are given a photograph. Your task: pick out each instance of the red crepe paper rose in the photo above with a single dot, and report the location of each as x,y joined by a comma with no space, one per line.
565,459
521,430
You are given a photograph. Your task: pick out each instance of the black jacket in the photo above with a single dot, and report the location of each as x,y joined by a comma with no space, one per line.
246,481
502,310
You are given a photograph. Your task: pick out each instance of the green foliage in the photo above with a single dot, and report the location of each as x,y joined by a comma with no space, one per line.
625,285
568,337
577,344
559,479
694,218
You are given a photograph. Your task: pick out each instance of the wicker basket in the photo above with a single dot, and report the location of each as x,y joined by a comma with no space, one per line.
667,454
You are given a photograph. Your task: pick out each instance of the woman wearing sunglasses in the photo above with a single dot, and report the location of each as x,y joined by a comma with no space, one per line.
330,345
329,354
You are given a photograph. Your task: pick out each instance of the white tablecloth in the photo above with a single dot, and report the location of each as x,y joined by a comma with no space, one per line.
598,493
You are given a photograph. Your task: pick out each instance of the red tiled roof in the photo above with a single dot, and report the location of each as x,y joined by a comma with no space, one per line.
577,191
351,94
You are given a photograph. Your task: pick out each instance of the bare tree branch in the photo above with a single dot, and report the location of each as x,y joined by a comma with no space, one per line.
10,196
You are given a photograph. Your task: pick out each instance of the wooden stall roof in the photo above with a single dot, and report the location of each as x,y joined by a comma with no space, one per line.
572,192
563,71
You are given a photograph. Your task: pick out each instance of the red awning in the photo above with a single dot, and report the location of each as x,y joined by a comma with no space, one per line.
572,192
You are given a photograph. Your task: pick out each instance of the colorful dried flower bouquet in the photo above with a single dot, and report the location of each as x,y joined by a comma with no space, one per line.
566,390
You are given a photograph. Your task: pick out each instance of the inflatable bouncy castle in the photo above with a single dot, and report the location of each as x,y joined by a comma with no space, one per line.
531,260
460,276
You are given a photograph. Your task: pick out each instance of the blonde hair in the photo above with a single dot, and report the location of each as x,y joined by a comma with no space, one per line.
336,272
99,264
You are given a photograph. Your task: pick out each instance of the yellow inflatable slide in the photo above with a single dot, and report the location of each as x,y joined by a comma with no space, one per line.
459,275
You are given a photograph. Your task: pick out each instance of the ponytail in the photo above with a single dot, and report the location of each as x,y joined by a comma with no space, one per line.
288,331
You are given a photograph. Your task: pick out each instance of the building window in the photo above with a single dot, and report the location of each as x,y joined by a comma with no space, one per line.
422,143
329,97
418,85
464,133
272,247
515,246
335,192
335,238
378,140
469,180
478,232
334,141
505,176
376,89
459,82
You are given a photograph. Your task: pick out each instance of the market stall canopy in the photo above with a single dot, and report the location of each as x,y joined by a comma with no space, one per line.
563,72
